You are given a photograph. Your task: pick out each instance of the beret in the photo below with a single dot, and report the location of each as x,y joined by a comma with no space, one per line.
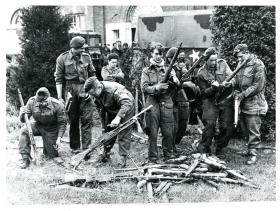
77,42
240,47
91,83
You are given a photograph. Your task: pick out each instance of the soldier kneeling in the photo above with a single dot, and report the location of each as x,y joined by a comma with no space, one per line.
50,123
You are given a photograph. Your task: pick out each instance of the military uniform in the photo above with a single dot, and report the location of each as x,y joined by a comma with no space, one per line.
116,100
181,108
50,123
250,82
112,74
161,114
72,72
211,111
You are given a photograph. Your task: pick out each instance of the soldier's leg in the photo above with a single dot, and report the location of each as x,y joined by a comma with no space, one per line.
226,126
209,117
74,130
167,129
243,126
182,121
86,116
176,126
124,137
253,125
152,122
49,136
25,144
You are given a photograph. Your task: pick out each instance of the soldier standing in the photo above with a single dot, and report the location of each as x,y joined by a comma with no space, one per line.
210,76
115,105
250,86
73,67
112,72
50,123
161,114
180,100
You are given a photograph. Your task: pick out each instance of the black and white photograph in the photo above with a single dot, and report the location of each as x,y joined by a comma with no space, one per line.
154,103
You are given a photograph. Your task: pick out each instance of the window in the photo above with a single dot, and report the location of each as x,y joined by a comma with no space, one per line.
77,21
116,34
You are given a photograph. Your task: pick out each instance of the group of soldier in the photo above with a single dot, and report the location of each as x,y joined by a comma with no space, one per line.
115,102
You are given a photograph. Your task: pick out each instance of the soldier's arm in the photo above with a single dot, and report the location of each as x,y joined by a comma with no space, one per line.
206,90
119,74
258,82
28,110
124,101
105,74
61,119
59,76
91,69
145,84
102,114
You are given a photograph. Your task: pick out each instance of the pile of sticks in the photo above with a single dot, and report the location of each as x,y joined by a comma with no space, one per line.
186,169
158,178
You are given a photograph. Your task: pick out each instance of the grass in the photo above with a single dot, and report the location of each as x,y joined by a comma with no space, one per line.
31,186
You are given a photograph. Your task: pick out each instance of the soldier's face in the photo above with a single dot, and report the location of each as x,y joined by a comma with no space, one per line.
242,56
156,55
78,51
113,63
212,61
96,92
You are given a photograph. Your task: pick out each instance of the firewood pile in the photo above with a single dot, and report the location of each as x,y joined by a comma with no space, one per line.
157,179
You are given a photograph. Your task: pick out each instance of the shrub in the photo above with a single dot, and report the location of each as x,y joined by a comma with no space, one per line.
255,26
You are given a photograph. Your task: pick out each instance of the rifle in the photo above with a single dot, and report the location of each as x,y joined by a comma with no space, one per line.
207,53
169,69
105,138
69,100
30,133
222,96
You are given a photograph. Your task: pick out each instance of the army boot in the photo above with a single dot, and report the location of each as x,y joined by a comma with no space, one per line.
104,157
252,159
25,163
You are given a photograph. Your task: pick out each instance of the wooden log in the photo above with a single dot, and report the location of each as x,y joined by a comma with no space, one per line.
160,187
166,187
150,188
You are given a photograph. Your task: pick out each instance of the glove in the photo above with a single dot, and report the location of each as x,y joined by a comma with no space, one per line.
22,110
161,86
115,122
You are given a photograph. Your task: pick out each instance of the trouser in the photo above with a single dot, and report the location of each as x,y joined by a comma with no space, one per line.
49,135
224,114
160,116
80,117
181,118
250,125
124,137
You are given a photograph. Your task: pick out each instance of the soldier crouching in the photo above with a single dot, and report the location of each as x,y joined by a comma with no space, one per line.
115,105
50,123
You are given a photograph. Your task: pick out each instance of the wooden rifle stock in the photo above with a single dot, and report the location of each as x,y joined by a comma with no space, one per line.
222,96
30,133
204,56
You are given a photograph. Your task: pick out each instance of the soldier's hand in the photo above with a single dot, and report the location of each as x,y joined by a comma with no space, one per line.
162,86
215,84
23,110
58,142
61,100
176,81
226,84
115,122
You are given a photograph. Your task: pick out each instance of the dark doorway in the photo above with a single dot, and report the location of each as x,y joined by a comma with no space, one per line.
133,31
